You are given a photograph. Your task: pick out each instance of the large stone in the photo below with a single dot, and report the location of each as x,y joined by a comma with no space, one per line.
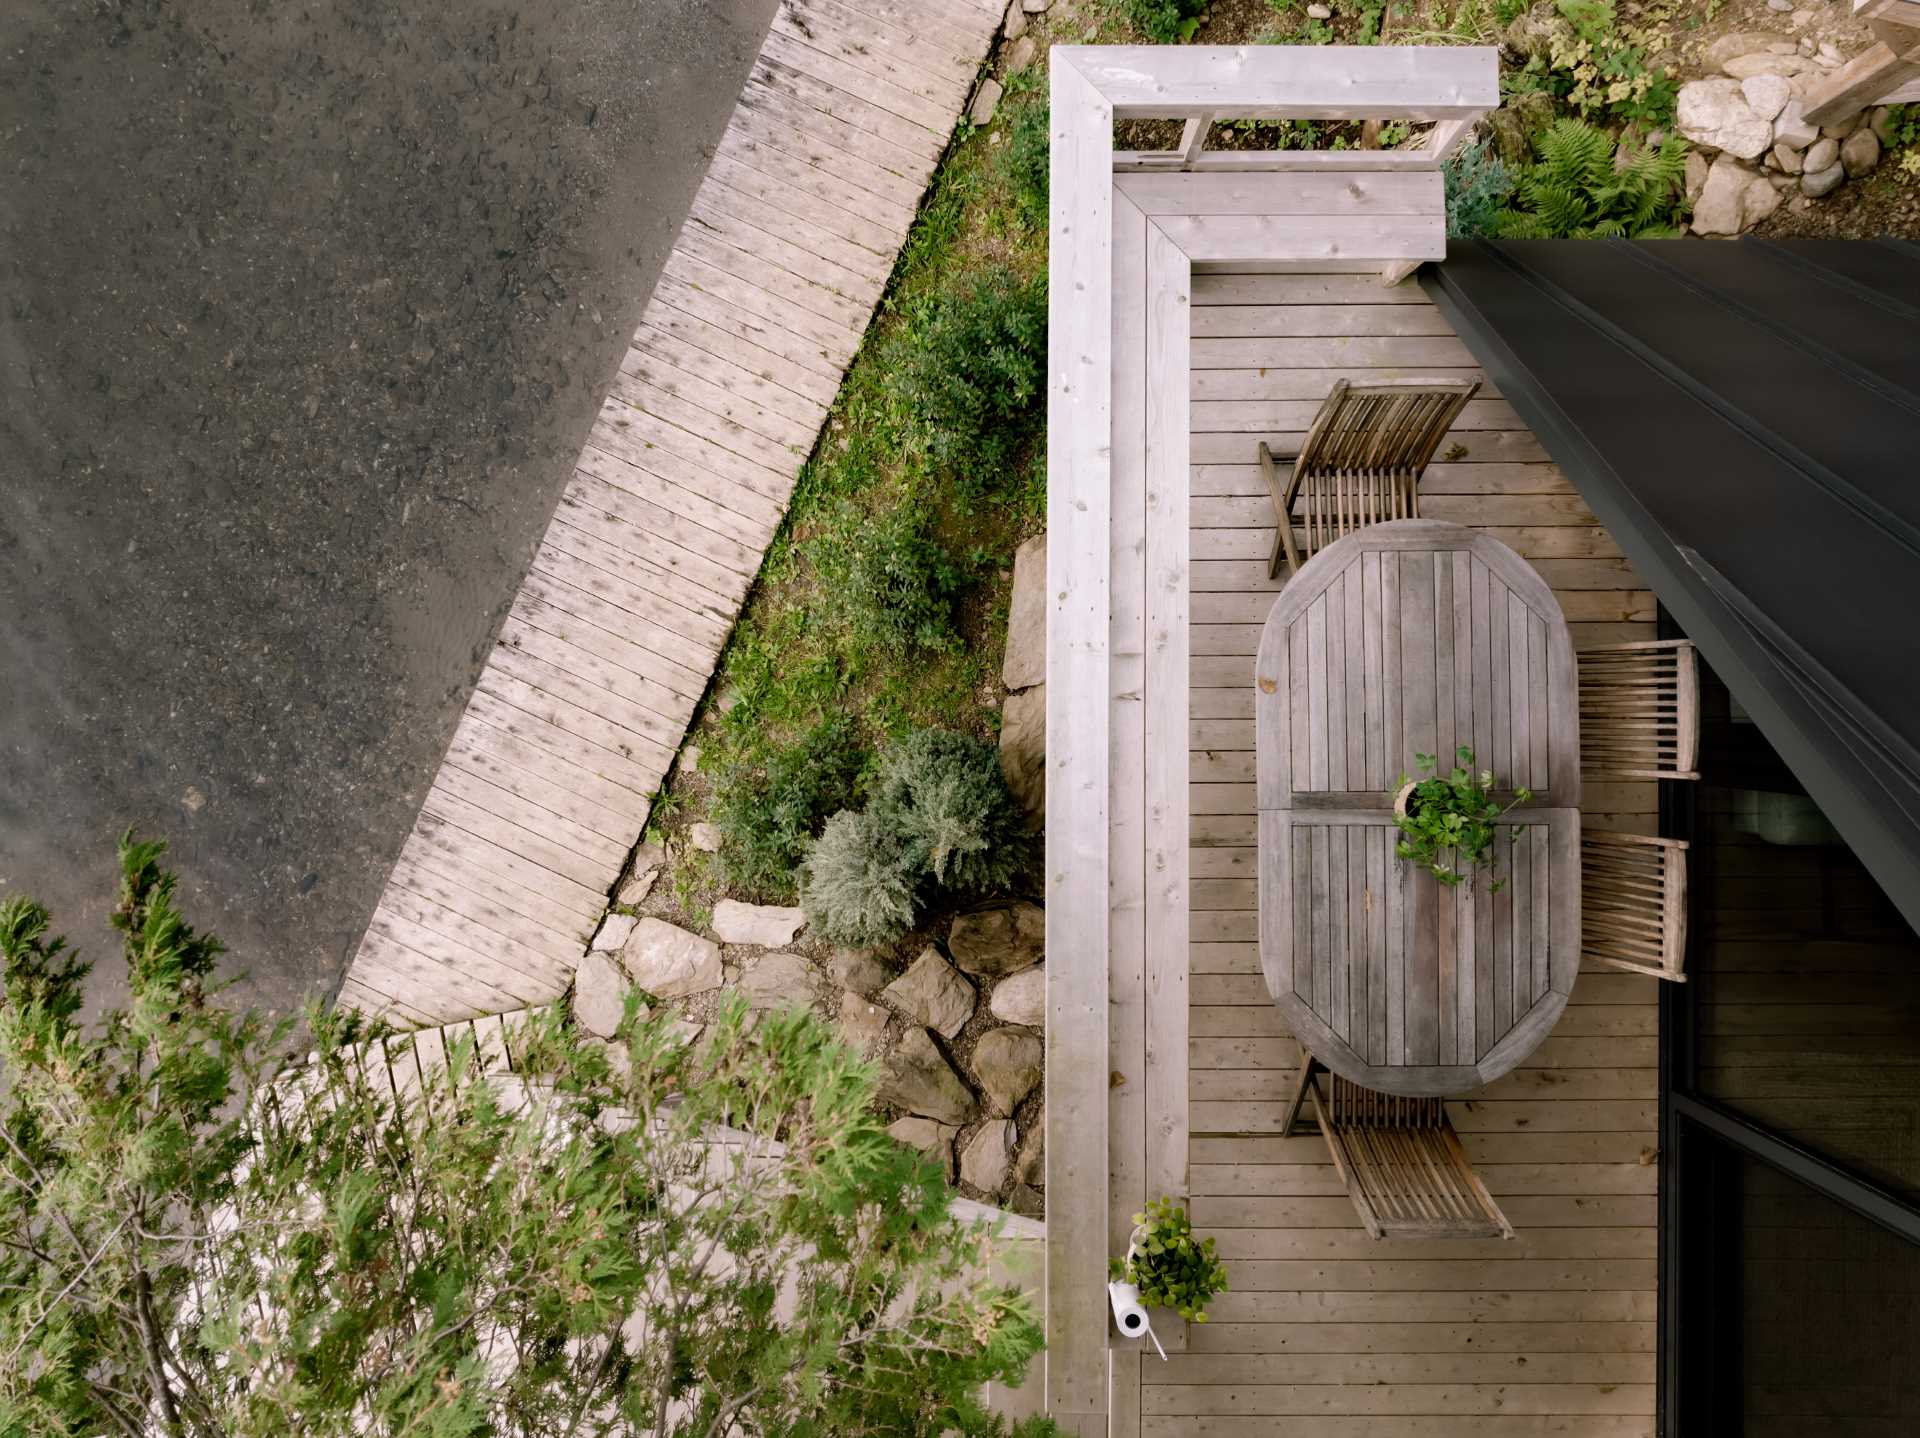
766,925
933,1139
863,1023
1766,95
613,933
1715,113
1745,67
648,860
599,995
1008,1063
919,1079
985,101
1697,167
1733,44
1882,123
1031,1167
858,970
1790,127
704,837
931,993
1020,54
1510,139
1721,207
1023,749
1001,940
1788,159
988,1155
1025,663
670,962
1027,1202
1823,154
1022,998
1760,199
1860,152
1815,184
1015,24
773,980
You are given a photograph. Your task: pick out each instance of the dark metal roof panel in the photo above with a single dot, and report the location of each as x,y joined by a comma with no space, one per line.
1745,418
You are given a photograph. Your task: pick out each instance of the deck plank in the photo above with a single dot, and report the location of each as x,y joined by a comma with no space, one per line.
684,479
1326,1331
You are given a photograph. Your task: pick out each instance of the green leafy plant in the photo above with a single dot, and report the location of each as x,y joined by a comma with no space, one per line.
1452,813
208,1232
769,812
1478,187
891,579
860,883
1165,22
1170,1267
1025,159
974,372
946,793
1596,69
940,821
1582,187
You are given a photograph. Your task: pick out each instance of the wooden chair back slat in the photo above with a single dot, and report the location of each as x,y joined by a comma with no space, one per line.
1360,462
1404,1167
1633,902
1640,710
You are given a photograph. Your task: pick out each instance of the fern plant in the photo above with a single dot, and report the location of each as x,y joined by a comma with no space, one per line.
1584,187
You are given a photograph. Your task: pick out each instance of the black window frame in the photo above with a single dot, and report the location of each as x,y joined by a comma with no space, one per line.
1686,1115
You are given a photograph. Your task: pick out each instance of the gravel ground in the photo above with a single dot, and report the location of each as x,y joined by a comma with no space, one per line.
304,312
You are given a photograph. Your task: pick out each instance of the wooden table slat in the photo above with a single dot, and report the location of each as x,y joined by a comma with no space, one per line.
1416,637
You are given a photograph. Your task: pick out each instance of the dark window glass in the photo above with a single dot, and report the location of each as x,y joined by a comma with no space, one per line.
1807,978
1801,1315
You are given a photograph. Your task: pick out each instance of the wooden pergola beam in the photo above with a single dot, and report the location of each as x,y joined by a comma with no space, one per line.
1871,76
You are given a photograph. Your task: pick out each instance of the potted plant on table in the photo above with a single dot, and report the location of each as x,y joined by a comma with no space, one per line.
1452,813
1168,1265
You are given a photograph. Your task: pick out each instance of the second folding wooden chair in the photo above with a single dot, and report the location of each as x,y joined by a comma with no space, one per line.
1633,902
1360,463
1404,1167
1640,710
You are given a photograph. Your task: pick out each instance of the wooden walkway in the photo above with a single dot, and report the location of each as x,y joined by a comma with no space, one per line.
684,479
1326,1331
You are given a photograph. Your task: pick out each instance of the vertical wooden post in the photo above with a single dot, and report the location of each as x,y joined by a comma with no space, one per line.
1193,139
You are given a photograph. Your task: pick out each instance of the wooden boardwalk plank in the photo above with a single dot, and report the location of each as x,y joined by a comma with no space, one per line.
612,638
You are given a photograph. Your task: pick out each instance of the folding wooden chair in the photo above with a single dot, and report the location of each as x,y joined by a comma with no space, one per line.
1401,1161
1640,710
1633,902
1360,463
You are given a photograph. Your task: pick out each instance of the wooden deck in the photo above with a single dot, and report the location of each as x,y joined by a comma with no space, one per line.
684,479
1326,1332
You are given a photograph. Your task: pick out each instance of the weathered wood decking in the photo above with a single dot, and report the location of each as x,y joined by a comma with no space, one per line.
684,479
1327,1332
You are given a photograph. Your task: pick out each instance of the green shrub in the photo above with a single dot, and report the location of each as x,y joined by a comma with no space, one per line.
861,879
941,820
1165,22
889,578
1170,1267
769,811
1478,187
1026,158
1580,189
946,793
1597,69
973,373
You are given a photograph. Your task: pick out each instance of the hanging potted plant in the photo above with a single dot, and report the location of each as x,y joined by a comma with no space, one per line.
1168,1265
1450,814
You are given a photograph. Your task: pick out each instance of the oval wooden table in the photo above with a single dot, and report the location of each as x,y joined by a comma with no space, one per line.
1415,637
